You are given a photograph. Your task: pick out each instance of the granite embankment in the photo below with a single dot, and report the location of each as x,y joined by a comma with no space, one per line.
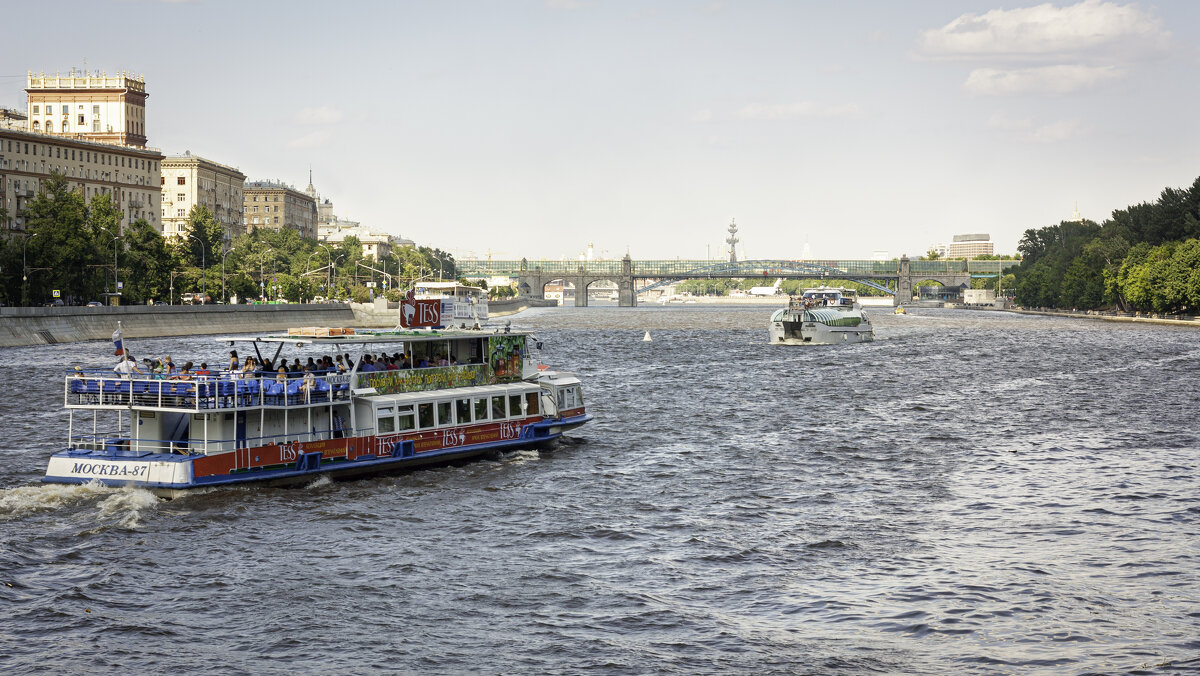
35,326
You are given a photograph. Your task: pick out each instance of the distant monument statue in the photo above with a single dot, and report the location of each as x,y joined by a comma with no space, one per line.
732,240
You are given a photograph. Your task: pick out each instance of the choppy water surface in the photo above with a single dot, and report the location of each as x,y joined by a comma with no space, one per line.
972,493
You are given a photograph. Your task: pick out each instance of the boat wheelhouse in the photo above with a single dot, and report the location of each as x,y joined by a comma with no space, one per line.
821,316
438,397
464,304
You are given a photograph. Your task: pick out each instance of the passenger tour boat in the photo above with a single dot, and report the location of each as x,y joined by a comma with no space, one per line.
822,316
432,396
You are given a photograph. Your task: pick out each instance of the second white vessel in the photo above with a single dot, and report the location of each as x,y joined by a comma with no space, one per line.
822,316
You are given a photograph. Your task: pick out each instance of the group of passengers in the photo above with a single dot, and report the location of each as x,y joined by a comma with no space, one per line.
250,367
397,361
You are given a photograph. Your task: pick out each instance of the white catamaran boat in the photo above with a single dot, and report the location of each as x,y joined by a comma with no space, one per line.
822,316
430,396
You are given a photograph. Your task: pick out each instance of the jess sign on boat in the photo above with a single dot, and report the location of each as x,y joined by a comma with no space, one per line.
414,313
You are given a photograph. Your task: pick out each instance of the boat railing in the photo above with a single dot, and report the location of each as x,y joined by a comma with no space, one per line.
121,444
224,390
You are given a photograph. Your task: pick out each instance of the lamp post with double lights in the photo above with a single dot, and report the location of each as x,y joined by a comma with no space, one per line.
203,269
224,296
25,271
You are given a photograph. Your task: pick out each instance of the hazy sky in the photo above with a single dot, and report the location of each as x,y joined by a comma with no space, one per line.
530,128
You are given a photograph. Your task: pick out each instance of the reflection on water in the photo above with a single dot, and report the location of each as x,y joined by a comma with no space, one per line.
971,493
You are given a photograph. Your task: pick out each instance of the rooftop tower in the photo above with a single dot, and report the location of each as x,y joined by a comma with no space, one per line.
89,106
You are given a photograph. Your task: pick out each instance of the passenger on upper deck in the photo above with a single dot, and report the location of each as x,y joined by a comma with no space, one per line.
78,372
281,375
233,360
128,365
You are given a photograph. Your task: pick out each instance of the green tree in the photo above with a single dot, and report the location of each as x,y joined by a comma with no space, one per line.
62,254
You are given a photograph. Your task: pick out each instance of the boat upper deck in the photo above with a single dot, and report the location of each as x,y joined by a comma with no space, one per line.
422,361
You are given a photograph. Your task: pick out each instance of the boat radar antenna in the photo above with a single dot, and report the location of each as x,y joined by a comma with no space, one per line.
732,240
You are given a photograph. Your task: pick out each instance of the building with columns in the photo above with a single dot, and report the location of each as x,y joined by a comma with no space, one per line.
274,205
131,175
89,106
190,180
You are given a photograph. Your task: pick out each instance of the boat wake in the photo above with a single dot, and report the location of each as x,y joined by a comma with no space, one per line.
126,505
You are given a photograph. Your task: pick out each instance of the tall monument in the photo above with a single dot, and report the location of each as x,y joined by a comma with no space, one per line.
732,240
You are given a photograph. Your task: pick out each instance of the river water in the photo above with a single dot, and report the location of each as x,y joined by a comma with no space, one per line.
972,493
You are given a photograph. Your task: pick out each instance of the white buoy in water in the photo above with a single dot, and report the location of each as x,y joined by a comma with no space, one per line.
646,338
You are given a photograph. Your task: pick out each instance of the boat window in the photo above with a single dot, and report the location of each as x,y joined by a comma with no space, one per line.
531,403
443,413
481,409
514,404
385,421
404,419
462,411
562,399
498,408
578,396
425,415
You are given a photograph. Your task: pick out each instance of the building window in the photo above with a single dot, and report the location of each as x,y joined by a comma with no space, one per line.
163,179
35,110
179,213
81,122
181,180
180,197
95,110
49,125
276,219
37,126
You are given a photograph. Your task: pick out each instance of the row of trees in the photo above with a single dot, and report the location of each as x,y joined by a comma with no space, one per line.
78,248
1146,257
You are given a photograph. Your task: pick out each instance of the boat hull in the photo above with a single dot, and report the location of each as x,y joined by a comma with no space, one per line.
816,333
170,476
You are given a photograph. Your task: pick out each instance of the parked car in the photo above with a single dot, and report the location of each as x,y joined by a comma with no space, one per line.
95,303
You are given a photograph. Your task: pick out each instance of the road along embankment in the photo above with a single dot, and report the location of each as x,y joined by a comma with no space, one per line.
37,325
381,314
1167,320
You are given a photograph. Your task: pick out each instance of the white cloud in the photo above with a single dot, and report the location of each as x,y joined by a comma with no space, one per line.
1031,130
1089,27
322,115
1064,79
310,140
566,4
800,109
702,115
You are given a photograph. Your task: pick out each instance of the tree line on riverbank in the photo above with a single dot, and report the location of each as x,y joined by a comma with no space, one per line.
78,248
1146,257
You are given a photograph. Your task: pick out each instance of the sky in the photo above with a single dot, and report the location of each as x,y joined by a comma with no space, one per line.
533,128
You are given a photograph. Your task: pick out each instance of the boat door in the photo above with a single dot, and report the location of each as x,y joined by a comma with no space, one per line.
240,429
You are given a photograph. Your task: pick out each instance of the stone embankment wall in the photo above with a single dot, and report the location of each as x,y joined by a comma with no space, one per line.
36,326
1168,320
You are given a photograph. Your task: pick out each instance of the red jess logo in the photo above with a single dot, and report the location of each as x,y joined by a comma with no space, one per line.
415,312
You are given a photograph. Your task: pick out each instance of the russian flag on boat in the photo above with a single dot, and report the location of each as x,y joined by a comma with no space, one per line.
117,344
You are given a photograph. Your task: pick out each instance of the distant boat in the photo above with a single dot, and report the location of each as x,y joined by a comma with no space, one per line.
899,311
646,338
822,316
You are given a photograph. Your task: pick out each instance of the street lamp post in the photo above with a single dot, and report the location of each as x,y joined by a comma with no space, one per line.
25,271
329,263
262,287
335,262
171,297
224,296
115,283
203,269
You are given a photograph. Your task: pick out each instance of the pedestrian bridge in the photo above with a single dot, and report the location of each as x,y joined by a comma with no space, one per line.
896,277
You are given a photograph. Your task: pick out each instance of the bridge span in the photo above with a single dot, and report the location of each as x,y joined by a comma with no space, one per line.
896,277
